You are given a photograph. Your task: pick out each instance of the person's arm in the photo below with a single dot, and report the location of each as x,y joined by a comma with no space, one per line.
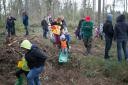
104,28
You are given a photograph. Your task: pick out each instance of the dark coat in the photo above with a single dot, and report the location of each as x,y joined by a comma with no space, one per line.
121,28
9,24
108,29
25,20
44,24
35,58
64,23
80,24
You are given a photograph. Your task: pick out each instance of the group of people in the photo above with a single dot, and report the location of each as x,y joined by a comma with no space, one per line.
57,28
118,33
10,24
31,64
33,59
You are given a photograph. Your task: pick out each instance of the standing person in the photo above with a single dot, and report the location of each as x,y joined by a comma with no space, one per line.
64,24
25,22
35,61
121,36
86,32
108,31
44,25
9,26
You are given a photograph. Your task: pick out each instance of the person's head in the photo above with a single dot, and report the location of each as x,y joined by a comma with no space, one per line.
59,20
24,13
87,18
25,46
121,18
55,19
109,17
62,37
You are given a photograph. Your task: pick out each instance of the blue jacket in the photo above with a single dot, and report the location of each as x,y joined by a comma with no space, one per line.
121,28
9,24
25,20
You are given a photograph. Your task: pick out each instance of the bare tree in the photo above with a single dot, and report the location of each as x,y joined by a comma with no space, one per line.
4,6
126,5
103,10
99,12
0,10
94,6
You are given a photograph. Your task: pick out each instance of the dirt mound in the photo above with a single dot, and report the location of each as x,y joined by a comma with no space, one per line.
54,74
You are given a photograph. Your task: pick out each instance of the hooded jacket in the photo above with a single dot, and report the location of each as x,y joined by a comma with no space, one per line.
108,27
121,28
35,58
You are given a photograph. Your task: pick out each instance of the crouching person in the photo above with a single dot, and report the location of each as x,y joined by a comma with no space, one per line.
35,61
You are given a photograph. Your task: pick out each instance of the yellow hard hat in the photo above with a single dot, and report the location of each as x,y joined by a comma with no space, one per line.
26,44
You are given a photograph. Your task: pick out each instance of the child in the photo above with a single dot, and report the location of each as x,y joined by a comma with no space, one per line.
63,44
22,69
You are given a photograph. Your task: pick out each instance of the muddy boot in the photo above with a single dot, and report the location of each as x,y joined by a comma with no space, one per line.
19,81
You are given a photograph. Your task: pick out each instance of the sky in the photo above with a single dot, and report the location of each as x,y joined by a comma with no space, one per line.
118,7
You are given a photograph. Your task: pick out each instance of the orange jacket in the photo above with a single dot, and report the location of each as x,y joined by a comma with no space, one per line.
63,43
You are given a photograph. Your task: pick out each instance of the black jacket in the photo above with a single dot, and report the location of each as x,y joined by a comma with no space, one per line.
80,24
108,29
35,58
121,28
44,24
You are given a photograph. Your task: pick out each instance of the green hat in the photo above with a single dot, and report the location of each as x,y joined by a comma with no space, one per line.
26,44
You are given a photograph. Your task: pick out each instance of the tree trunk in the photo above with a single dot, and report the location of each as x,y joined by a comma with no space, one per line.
114,11
126,5
103,11
26,6
0,10
4,4
99,12
94,6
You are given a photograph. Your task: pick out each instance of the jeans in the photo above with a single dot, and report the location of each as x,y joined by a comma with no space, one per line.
108,44
45,33
26,28
9,31
122,44
33,76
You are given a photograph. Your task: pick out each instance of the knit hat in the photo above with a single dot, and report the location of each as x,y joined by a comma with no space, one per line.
87,18
109,17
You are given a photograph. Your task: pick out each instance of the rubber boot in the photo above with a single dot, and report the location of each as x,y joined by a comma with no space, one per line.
19,81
